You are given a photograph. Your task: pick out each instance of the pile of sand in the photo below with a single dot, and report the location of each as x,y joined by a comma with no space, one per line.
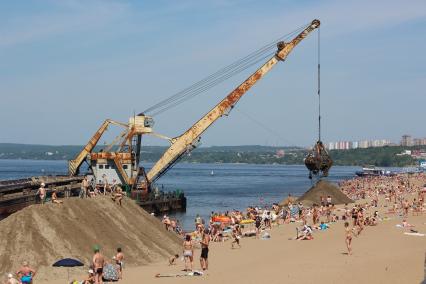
43,234
324,188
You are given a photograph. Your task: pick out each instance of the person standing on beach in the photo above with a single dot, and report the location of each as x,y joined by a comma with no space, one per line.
315,215
348,240
119,258
98,265
205,250
235,238
188,252
405,207
258,222
42,192
84,187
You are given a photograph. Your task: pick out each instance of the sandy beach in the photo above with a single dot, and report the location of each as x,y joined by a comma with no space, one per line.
382,254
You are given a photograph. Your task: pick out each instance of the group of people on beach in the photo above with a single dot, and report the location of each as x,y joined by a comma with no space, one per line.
100,269
87,190
24,275
398,194
103,187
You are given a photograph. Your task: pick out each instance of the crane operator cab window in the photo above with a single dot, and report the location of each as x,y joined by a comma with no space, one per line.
148,122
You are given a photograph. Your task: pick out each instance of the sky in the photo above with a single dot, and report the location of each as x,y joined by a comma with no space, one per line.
66,66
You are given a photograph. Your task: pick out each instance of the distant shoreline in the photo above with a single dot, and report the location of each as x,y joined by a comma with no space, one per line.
394,156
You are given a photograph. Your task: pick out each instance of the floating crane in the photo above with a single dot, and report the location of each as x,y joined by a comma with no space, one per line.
120,160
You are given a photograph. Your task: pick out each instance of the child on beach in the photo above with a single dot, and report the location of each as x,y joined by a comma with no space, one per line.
55,198
235,238
348,239
172,259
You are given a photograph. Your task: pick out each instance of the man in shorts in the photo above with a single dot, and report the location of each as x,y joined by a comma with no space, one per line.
98,265
205,250
119,258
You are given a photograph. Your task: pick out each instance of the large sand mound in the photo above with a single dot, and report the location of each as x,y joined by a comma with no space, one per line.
324,188
42,234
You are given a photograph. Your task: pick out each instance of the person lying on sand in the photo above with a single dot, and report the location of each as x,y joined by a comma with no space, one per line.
405,224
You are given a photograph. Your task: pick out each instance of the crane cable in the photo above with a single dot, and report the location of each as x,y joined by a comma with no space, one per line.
218,76
319,85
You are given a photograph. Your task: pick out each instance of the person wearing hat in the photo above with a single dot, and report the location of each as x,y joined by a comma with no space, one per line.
11,279
90,278
42,192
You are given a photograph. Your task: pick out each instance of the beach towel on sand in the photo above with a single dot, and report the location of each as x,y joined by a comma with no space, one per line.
414,234
194,273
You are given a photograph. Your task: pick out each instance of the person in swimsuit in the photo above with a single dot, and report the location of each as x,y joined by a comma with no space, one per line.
315,214
258,223
42,192
98,265
406,207
90,278
348,240
188,253
26,273
235,238
118,195
172,259
205,250
119,258
55,198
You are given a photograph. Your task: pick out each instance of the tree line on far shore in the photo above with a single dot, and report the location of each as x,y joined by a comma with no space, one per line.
252,154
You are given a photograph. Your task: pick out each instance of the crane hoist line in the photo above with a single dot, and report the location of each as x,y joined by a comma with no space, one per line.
120,160
221,75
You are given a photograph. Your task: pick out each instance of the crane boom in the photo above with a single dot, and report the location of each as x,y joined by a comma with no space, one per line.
74,165
185,142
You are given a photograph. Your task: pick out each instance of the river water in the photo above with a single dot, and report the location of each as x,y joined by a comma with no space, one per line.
208,187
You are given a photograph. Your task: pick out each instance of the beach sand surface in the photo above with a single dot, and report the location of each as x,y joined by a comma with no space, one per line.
381,254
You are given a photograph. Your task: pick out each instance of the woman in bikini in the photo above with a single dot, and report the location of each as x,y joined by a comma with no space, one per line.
188,252
348,240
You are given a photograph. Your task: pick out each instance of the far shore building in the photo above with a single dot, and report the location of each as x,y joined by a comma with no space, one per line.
406,140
